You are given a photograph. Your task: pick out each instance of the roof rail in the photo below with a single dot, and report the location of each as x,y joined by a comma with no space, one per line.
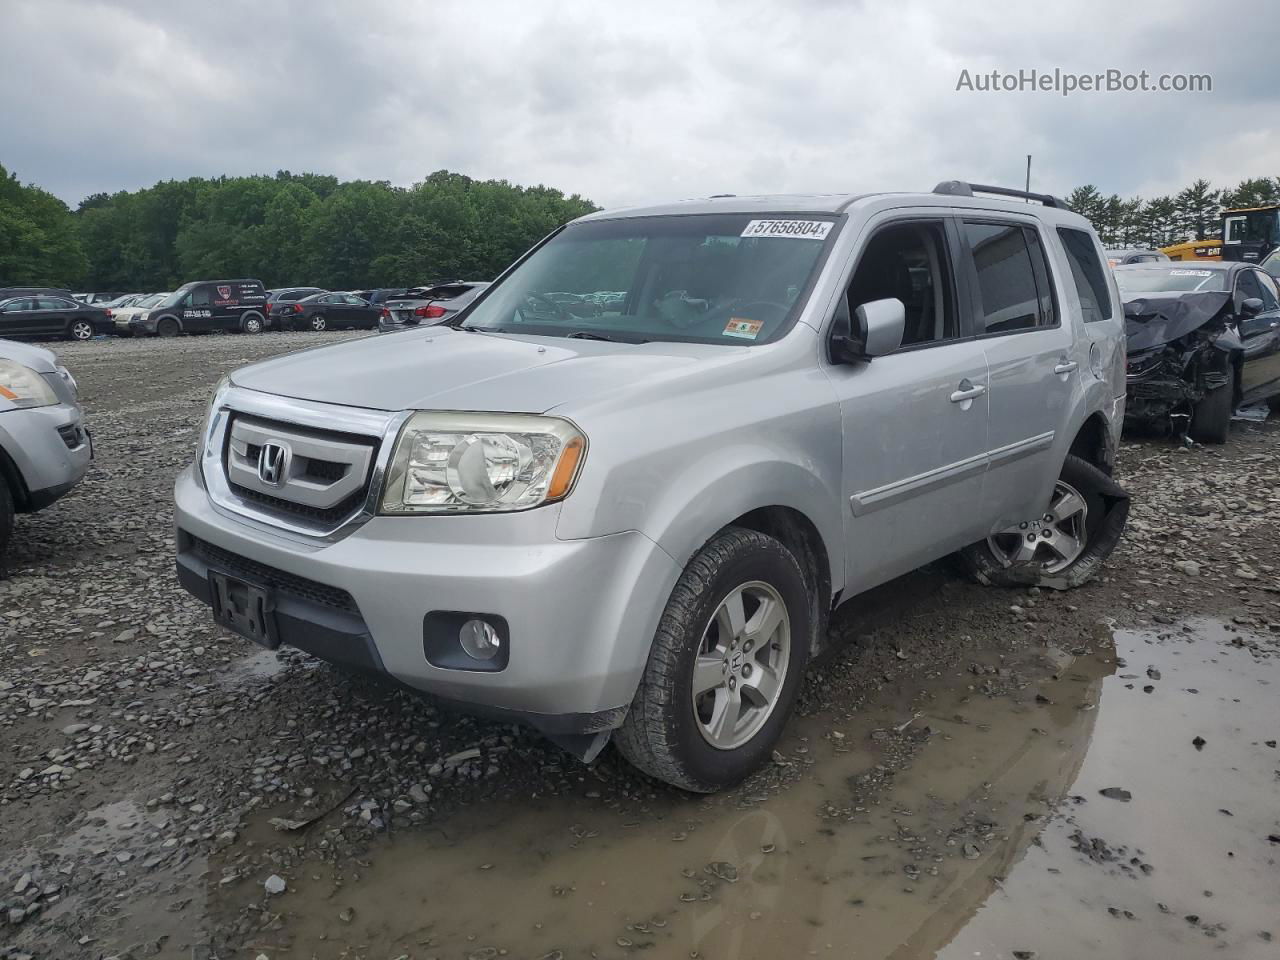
959,188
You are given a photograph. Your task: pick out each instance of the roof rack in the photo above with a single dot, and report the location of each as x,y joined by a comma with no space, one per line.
959,188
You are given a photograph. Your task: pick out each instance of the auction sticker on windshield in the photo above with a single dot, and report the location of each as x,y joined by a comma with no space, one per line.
1191,273
795,229
746,329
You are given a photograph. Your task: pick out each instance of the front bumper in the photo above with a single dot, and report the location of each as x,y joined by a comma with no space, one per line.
50,448
581,613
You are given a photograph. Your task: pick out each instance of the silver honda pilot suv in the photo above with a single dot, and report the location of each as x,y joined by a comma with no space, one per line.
620,495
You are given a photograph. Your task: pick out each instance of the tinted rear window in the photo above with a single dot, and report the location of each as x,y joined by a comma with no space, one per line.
1087,272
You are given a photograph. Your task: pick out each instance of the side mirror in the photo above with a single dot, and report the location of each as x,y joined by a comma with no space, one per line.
1251,307
877,330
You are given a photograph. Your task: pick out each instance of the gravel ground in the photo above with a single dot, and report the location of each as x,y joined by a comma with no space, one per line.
158,778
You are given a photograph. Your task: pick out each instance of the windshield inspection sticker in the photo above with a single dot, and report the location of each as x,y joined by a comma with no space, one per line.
746,329
1191,273
795,229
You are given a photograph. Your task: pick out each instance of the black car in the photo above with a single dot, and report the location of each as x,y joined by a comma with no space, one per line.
205,305
1203,338
381,295
331,311
280,303
8,293
27,318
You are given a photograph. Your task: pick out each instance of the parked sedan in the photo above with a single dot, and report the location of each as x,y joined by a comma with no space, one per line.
429,305
280,304
122,315
26,318
1203,337
332,311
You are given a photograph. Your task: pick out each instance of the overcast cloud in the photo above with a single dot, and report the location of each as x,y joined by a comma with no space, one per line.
630,103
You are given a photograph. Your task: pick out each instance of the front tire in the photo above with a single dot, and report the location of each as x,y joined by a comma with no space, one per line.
725,666
6,517
1211,418
168,327
1066,546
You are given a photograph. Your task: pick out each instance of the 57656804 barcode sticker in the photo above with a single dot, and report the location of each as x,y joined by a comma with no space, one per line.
795,229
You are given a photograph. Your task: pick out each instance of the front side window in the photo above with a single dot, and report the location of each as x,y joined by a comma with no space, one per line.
1012,277
1270,295
1087,273
703,278
201,297
909,262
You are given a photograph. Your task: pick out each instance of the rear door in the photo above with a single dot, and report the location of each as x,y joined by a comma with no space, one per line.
1260,335
1031,357
53,316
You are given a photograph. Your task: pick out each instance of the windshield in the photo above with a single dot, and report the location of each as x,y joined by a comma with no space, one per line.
151,301
1171,280
173,299
713,278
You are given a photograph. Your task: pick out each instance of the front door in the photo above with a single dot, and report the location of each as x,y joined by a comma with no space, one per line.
915,421
1033,362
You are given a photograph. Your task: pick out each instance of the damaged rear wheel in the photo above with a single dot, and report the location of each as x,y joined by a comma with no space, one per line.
1065,546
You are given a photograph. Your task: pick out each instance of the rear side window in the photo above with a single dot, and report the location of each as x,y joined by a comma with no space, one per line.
1086,271
200,297
1013,279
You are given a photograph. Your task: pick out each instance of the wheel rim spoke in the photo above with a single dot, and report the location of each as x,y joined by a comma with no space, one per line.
762,689
1064,545
724,717
732,617
708,673
1069,505
765,621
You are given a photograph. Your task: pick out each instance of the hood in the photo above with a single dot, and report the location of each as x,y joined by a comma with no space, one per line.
37,358
441,368
1167,316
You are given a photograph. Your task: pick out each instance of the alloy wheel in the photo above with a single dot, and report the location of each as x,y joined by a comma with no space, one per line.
1054,541
741,665
82,330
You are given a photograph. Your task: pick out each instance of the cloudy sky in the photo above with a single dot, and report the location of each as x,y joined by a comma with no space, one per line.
631,102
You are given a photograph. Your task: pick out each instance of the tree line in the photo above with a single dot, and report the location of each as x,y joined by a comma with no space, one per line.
312,229
1194,213
290,229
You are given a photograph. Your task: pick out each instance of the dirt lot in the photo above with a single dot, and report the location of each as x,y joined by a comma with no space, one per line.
976,773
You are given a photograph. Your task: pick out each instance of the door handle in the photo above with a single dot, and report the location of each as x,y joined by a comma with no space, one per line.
967,391
1066,366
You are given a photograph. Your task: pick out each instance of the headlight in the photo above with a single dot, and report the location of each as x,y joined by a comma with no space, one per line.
23,387
481,463
223,385
65,374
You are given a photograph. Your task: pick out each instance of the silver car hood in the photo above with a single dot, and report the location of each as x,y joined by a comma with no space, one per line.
37,358
445,369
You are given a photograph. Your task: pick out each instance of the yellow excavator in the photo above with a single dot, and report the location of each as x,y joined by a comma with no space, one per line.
1248,234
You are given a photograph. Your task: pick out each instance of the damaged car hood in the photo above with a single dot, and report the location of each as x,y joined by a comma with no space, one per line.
1167,316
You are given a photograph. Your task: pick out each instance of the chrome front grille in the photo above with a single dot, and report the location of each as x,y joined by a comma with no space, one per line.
308,468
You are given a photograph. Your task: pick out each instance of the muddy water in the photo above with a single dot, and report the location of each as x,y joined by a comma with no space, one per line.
943,822
862,857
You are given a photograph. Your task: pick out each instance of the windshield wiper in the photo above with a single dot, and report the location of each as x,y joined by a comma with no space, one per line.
592,335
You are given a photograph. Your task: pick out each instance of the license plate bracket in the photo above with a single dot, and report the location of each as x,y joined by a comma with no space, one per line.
244,608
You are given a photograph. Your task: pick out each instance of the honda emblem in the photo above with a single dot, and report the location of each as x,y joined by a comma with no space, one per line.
273,464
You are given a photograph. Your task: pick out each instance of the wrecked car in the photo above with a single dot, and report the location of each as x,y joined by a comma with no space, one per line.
1203,337
621,492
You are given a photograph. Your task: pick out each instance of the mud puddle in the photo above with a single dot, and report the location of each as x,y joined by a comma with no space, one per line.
896,833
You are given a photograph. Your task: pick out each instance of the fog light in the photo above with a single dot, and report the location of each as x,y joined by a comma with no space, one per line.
480,640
